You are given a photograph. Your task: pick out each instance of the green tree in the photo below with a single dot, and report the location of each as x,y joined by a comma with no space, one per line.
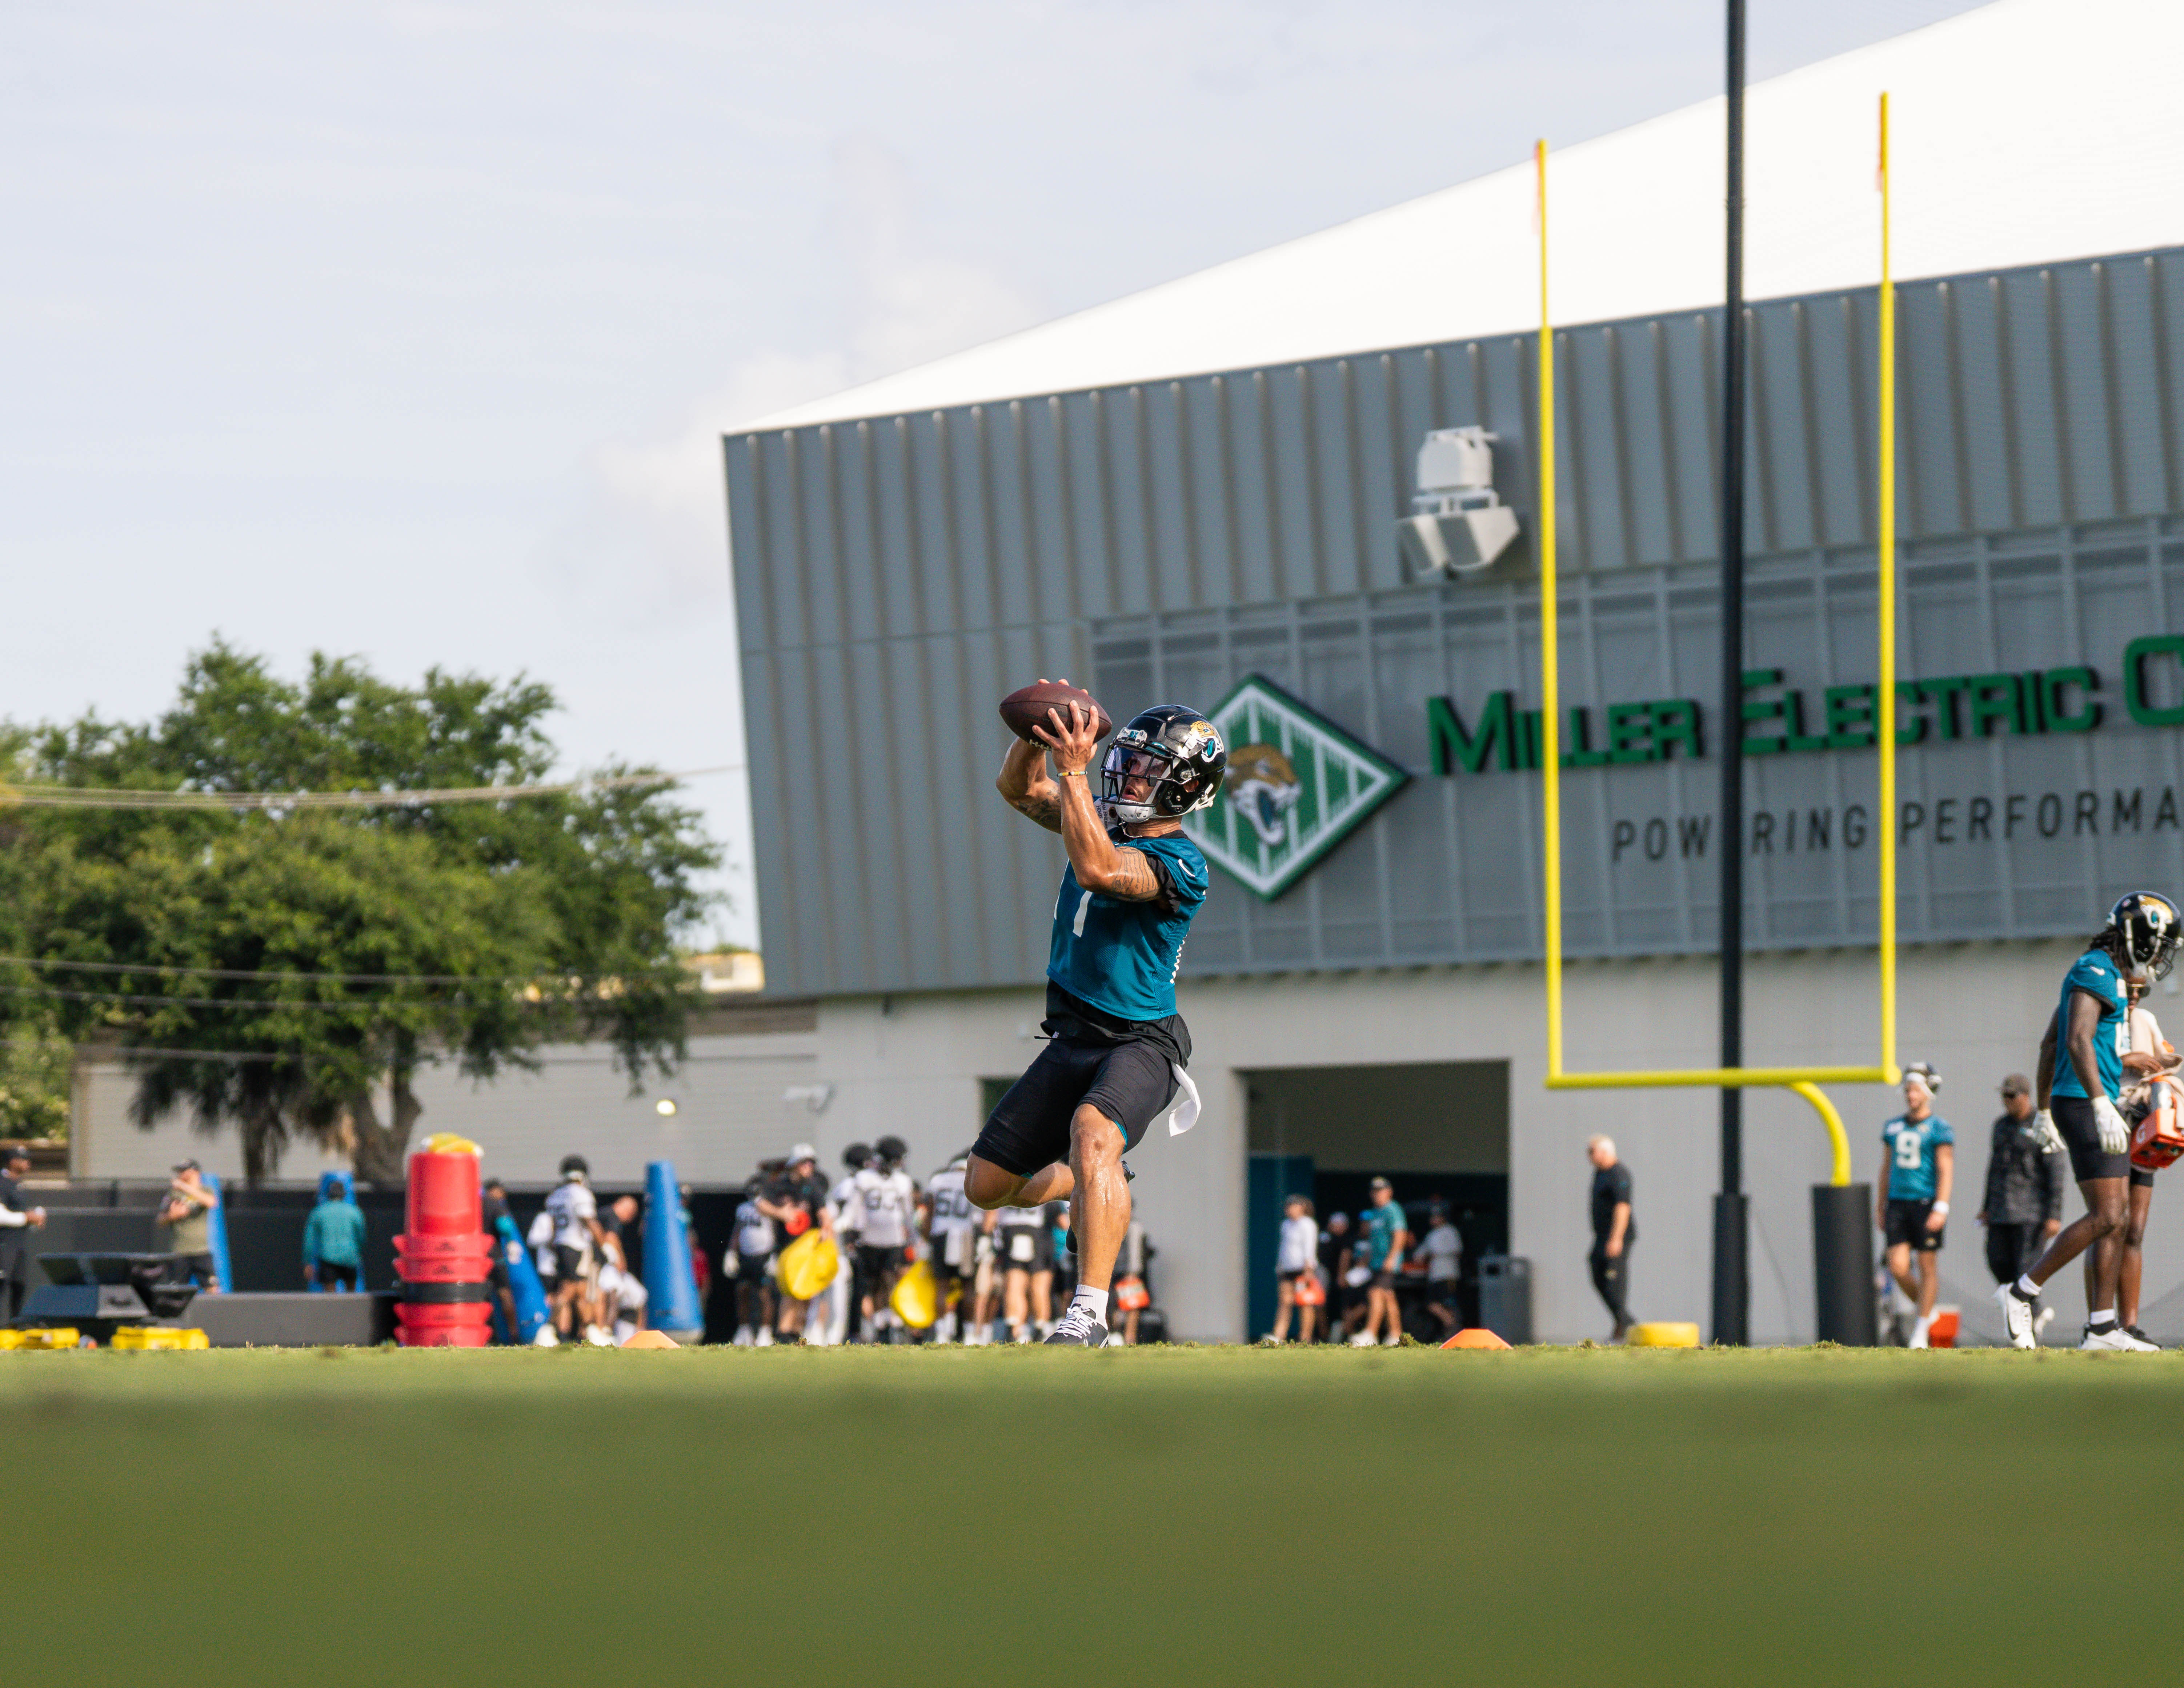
402,935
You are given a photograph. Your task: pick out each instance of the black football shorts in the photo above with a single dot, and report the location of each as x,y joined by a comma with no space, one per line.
1907,1224
2074,1124
1129,1083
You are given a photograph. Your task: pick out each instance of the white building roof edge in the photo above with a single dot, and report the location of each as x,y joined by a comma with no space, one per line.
2025,131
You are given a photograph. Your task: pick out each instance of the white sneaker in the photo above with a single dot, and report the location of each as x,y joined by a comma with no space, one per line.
1364,1339
2115,1338
2137,1343
2016,1316
765,1337
1395,1341
1920,1328
743,1338
598,1337
2047,1317
1020,1333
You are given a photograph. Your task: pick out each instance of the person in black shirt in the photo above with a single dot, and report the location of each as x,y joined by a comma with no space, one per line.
2023,1207
14,1219
1612,1232
796,1201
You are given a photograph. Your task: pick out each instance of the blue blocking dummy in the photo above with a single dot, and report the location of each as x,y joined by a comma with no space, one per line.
530,1310
216,1233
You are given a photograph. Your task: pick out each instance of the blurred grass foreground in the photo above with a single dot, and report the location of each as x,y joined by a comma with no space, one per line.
900,1516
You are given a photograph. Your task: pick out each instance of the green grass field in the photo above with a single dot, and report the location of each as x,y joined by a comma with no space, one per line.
892,1517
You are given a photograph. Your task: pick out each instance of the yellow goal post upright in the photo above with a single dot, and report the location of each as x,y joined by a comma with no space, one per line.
1804,1081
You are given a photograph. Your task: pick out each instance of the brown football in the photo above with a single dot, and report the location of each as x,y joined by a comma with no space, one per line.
1026,707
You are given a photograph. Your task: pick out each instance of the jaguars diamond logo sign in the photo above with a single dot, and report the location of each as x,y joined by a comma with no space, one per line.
1297,786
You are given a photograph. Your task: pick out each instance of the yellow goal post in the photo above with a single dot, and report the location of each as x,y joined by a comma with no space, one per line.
1803,1081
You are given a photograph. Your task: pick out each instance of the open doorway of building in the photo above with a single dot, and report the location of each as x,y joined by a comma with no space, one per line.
1438,1131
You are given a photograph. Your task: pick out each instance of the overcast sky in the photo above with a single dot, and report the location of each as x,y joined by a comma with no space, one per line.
408,331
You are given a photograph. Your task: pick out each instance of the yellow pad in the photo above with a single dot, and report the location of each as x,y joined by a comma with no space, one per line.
806,1267
1663,1336
62,1336
144,1338
916,1297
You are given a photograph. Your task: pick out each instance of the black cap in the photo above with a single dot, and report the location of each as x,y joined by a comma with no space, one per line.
187,1166
16,1151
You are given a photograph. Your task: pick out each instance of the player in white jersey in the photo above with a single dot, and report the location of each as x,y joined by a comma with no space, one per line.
951,1233
748,1263
577,1241
883,1206
1024,1253
832,1314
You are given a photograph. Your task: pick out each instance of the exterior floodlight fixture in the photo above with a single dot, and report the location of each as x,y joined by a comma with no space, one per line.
664,1107
1458,521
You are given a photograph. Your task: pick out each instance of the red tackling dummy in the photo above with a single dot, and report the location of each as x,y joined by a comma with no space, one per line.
1026,707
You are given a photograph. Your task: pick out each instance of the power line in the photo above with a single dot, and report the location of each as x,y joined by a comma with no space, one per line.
256,974
259,1002
114,797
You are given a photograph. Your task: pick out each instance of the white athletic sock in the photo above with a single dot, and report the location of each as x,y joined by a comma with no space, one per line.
2027,1288
1094,1301
2105,1316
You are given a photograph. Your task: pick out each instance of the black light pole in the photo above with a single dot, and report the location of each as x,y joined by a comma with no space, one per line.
1732,1296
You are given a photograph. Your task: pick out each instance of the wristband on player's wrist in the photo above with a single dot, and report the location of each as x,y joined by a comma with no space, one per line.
1940,1208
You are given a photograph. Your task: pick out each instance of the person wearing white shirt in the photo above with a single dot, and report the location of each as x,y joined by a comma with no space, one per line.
951,1238
2150,1057
883,1206
578,1239
1295,1255
1444,1253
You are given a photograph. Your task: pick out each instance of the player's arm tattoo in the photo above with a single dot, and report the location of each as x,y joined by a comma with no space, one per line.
1134,879
1046,810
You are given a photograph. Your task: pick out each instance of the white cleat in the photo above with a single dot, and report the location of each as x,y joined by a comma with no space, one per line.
1919,1330
2135,1340
2115,1339
2016,1316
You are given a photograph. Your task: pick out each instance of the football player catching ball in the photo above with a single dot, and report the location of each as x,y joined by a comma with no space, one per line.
1118,1048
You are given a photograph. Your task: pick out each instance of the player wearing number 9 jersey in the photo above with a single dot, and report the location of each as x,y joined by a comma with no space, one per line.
1117,1047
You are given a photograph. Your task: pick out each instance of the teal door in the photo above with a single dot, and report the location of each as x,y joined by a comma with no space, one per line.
1274,1178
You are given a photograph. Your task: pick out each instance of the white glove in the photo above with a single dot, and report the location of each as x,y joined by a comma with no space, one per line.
2115,1135
2043,1123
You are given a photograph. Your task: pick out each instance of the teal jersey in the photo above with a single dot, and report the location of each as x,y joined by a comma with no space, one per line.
334,1235
1382,1223
1911,1146
2095,973
1121,957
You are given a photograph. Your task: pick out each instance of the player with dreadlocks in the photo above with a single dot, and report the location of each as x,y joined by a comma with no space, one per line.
2085,1078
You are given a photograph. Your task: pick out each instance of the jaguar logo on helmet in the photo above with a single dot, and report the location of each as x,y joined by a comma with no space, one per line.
1167,762
2141,934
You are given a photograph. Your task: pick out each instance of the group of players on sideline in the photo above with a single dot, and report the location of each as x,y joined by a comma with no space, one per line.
2106,1097
996,1274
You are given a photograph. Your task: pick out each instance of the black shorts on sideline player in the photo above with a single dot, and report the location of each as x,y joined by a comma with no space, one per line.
1129,1083
1906,1223
2074,1124
1024,1248
876,1262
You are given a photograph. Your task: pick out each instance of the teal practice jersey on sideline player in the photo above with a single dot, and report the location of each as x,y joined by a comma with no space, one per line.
1121,957
2095,973
1911,1146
